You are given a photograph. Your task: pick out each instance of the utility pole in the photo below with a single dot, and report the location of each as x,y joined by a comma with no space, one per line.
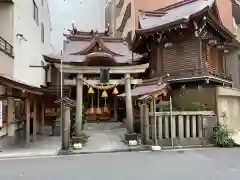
61,106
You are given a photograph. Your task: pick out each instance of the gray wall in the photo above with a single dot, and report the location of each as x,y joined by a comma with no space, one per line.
233,67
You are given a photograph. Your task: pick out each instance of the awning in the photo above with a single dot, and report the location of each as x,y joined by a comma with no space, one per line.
16,84
145,90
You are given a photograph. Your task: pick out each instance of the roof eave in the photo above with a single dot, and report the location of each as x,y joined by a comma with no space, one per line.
171,24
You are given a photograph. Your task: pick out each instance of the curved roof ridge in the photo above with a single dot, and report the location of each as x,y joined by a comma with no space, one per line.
93,43
176,5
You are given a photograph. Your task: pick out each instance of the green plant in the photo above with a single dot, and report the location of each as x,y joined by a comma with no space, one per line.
222,136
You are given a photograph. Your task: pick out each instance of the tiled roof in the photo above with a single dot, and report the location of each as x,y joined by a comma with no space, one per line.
145,90
77,46
14,83
173,13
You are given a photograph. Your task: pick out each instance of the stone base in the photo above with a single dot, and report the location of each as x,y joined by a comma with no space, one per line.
131,137
76,140
56,128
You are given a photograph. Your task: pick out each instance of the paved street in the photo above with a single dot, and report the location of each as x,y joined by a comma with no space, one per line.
219,164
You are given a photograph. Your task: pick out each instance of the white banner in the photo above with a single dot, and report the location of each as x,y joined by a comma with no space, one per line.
1,113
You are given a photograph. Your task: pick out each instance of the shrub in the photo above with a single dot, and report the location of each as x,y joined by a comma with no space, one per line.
222,136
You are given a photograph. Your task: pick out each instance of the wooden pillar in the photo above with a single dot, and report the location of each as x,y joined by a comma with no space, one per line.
79,105
146,123
27,122
187,126
153,121
42,118
66,133
193,126
11,128
181,127
34,120
129,107
115,108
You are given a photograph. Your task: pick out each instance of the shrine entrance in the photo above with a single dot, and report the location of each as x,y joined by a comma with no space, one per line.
98,67
102,102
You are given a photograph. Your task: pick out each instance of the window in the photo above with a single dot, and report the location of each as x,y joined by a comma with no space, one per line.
35,12
42,33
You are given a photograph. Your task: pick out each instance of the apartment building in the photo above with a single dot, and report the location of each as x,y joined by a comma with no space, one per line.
24,36
122,15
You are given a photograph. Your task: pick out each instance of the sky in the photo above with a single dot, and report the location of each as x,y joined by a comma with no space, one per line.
86,14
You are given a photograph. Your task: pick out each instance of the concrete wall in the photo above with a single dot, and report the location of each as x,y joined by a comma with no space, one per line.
30,52
233,67
6,20
228,107
6,32
189,96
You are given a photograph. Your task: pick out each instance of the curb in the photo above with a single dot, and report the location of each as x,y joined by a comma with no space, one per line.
140,149
27,156
72,152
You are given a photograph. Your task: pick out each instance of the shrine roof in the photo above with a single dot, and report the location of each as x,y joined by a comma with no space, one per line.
178,13
83,47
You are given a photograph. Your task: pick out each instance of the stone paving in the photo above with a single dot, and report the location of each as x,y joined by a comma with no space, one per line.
44,146
104,137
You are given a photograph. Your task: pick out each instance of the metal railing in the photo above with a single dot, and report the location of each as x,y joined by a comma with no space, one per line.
5,47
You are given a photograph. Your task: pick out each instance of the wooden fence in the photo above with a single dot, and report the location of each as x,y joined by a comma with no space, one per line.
183,128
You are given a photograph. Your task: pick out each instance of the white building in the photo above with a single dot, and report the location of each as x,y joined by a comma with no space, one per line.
25,35
26,28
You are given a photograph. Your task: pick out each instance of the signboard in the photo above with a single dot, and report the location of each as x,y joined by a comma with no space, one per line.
1,113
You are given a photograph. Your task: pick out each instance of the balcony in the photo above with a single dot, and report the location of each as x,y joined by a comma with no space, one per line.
125,14
197,75
6,48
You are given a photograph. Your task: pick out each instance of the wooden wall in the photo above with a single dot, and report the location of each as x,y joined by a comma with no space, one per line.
213,58
183,55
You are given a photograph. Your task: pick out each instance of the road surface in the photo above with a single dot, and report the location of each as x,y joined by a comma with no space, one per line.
205,164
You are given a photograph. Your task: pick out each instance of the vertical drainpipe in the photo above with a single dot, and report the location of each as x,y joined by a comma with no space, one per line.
113,17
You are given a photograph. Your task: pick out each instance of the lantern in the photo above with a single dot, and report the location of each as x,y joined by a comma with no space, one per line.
90,90
104,94
115,91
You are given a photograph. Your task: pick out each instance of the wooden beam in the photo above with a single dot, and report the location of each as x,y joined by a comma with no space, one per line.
72,82
96,70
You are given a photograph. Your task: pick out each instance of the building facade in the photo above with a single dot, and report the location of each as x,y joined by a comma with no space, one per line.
122,15
26,33
24,36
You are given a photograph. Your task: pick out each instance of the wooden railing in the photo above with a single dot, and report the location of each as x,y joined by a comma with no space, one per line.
5,47
178,128
188,73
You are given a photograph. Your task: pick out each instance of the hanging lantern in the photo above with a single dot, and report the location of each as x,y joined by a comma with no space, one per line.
90,90
115,91
104,94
